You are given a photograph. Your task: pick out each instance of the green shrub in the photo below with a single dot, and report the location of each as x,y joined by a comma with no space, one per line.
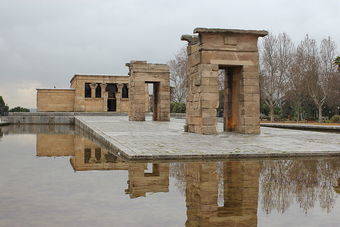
19,109
177,107
335,119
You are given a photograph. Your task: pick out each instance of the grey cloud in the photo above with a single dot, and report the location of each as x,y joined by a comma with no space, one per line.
47,41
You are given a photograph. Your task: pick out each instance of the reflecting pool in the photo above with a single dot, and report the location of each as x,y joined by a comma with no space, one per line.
54,176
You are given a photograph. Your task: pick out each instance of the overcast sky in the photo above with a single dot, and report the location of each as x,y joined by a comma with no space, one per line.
43,43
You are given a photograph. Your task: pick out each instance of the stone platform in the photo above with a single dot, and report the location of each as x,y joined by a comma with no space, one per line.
314,127
166,140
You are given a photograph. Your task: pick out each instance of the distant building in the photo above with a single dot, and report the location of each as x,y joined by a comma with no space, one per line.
88,93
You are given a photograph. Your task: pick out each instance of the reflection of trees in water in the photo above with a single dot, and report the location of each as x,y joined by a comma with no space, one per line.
283,182
305,181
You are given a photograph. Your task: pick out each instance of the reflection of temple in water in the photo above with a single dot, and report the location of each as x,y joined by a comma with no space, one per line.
142,181
216,195
55,145
225,199
222,193
87,155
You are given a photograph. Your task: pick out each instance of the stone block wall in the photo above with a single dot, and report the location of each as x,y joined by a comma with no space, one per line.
236,52
222,195
55,100
141,182
73,99
97,158
141,73
95,104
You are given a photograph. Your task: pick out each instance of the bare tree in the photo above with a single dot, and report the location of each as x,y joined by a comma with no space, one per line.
305,181
306,66
333,92
318,67
276,55
178,75
328,81
296,89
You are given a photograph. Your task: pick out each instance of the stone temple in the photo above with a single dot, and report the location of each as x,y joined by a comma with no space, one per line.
120,94
87,93
213,54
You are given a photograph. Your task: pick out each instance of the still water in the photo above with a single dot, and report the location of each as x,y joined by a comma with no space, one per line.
53,176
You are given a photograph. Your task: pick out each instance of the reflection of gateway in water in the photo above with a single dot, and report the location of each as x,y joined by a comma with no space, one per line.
86,156
203,185
226,200
217,193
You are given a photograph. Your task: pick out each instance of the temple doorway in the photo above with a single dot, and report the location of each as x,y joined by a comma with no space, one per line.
229,87
111,101
153,89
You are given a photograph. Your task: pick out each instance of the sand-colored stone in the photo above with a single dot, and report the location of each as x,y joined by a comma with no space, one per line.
224,197
54,145
94,104
87,156
55,100
142,73
141,182
90,156
73,99
236,52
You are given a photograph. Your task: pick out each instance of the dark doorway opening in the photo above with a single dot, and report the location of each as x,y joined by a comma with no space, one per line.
111,101
229,86
125,91
87,155
98,91
155,101
87,90
111,105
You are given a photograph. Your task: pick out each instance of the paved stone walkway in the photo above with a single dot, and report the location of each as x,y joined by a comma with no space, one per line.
158,140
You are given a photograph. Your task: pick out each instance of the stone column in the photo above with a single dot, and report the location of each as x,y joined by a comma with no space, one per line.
202,99
164,102
241,189
93,89
93,156
250,100
104,96
137,101
209,97
202,195
119,97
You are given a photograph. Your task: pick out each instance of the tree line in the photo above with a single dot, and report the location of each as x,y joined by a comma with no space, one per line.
298,81
4,109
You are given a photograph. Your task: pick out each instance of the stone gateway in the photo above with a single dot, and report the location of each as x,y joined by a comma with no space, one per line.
158,75
234,53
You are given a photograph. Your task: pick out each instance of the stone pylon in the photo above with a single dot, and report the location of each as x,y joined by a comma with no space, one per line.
236,53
